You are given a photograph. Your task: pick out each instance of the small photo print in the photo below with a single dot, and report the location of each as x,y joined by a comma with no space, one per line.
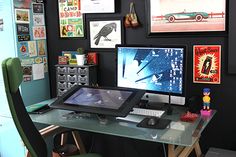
32,48
38,19
41,47
23,38
22,15
27,72
37,8
22,29
39,32
23,49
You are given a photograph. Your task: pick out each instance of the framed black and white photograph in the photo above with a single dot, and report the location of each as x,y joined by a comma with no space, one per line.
105,34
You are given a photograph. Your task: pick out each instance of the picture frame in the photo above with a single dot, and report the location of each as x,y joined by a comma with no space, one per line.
207,64
185,17
98,26
71,20
101,6
22,15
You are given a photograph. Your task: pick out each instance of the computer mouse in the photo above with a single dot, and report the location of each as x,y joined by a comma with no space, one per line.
152,121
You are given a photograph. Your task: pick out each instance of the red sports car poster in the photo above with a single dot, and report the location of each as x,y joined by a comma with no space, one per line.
206,64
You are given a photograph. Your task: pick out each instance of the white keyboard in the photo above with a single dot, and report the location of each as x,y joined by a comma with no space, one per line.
147,112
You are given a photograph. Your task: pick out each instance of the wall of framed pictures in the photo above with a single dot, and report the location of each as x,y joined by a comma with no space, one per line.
222,94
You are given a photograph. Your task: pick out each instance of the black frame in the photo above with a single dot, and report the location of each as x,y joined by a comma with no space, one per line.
93,19
122,111
182,33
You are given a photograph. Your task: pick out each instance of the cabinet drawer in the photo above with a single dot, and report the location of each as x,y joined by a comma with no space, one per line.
72,70
83,83
61,85
82,79
61,70
71,78
83,71
61,92
71,84
61,77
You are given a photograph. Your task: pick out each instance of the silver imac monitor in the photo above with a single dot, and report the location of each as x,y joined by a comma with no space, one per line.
159,70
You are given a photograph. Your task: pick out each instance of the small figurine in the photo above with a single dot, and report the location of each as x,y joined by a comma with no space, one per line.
206,111
206,99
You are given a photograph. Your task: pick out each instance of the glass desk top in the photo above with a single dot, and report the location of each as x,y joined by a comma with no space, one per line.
178,133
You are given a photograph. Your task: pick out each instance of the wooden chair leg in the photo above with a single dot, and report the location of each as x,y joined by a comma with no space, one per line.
78,141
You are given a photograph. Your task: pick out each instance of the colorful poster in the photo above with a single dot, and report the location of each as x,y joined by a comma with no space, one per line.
23,49
207,64
39,32
70,19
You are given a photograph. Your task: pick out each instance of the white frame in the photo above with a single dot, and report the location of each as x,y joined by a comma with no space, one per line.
98,6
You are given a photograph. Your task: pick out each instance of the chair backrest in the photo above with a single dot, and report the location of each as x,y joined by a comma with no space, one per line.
13,76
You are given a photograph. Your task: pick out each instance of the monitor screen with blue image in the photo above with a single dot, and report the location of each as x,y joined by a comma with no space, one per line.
156,69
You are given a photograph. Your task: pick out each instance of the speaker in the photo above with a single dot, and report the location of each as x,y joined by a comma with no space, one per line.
194,104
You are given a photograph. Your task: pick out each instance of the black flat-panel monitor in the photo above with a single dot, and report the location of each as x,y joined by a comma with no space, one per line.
159,70
100,100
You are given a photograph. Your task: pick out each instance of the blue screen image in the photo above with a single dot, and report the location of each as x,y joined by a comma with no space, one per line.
151,68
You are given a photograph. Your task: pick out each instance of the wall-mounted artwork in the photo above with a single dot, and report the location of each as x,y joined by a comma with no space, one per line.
207,64
105,33
22,15
165,16
70,19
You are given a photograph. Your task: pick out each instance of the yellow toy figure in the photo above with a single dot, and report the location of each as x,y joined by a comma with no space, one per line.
206,99
206,111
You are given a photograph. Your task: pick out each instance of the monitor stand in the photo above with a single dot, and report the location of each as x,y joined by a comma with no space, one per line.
102,119
157,105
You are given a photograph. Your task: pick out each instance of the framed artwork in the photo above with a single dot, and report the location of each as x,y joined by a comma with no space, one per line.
70,19
38,8
207,64
99,6
185,16
22,15
39,32
105,33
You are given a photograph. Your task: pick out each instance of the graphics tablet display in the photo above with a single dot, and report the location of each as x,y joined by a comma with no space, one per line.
106,100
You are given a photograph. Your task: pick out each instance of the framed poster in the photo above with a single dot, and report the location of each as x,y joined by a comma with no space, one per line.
185,16
70,19
207,64
105,33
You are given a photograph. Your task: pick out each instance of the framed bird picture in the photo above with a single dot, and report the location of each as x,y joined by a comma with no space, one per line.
105,33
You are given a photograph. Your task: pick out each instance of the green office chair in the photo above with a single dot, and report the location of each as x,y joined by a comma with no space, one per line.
34,142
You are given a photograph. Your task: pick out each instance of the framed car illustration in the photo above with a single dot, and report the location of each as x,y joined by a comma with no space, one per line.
185,16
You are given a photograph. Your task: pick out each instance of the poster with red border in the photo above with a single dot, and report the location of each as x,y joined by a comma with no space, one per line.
207,64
